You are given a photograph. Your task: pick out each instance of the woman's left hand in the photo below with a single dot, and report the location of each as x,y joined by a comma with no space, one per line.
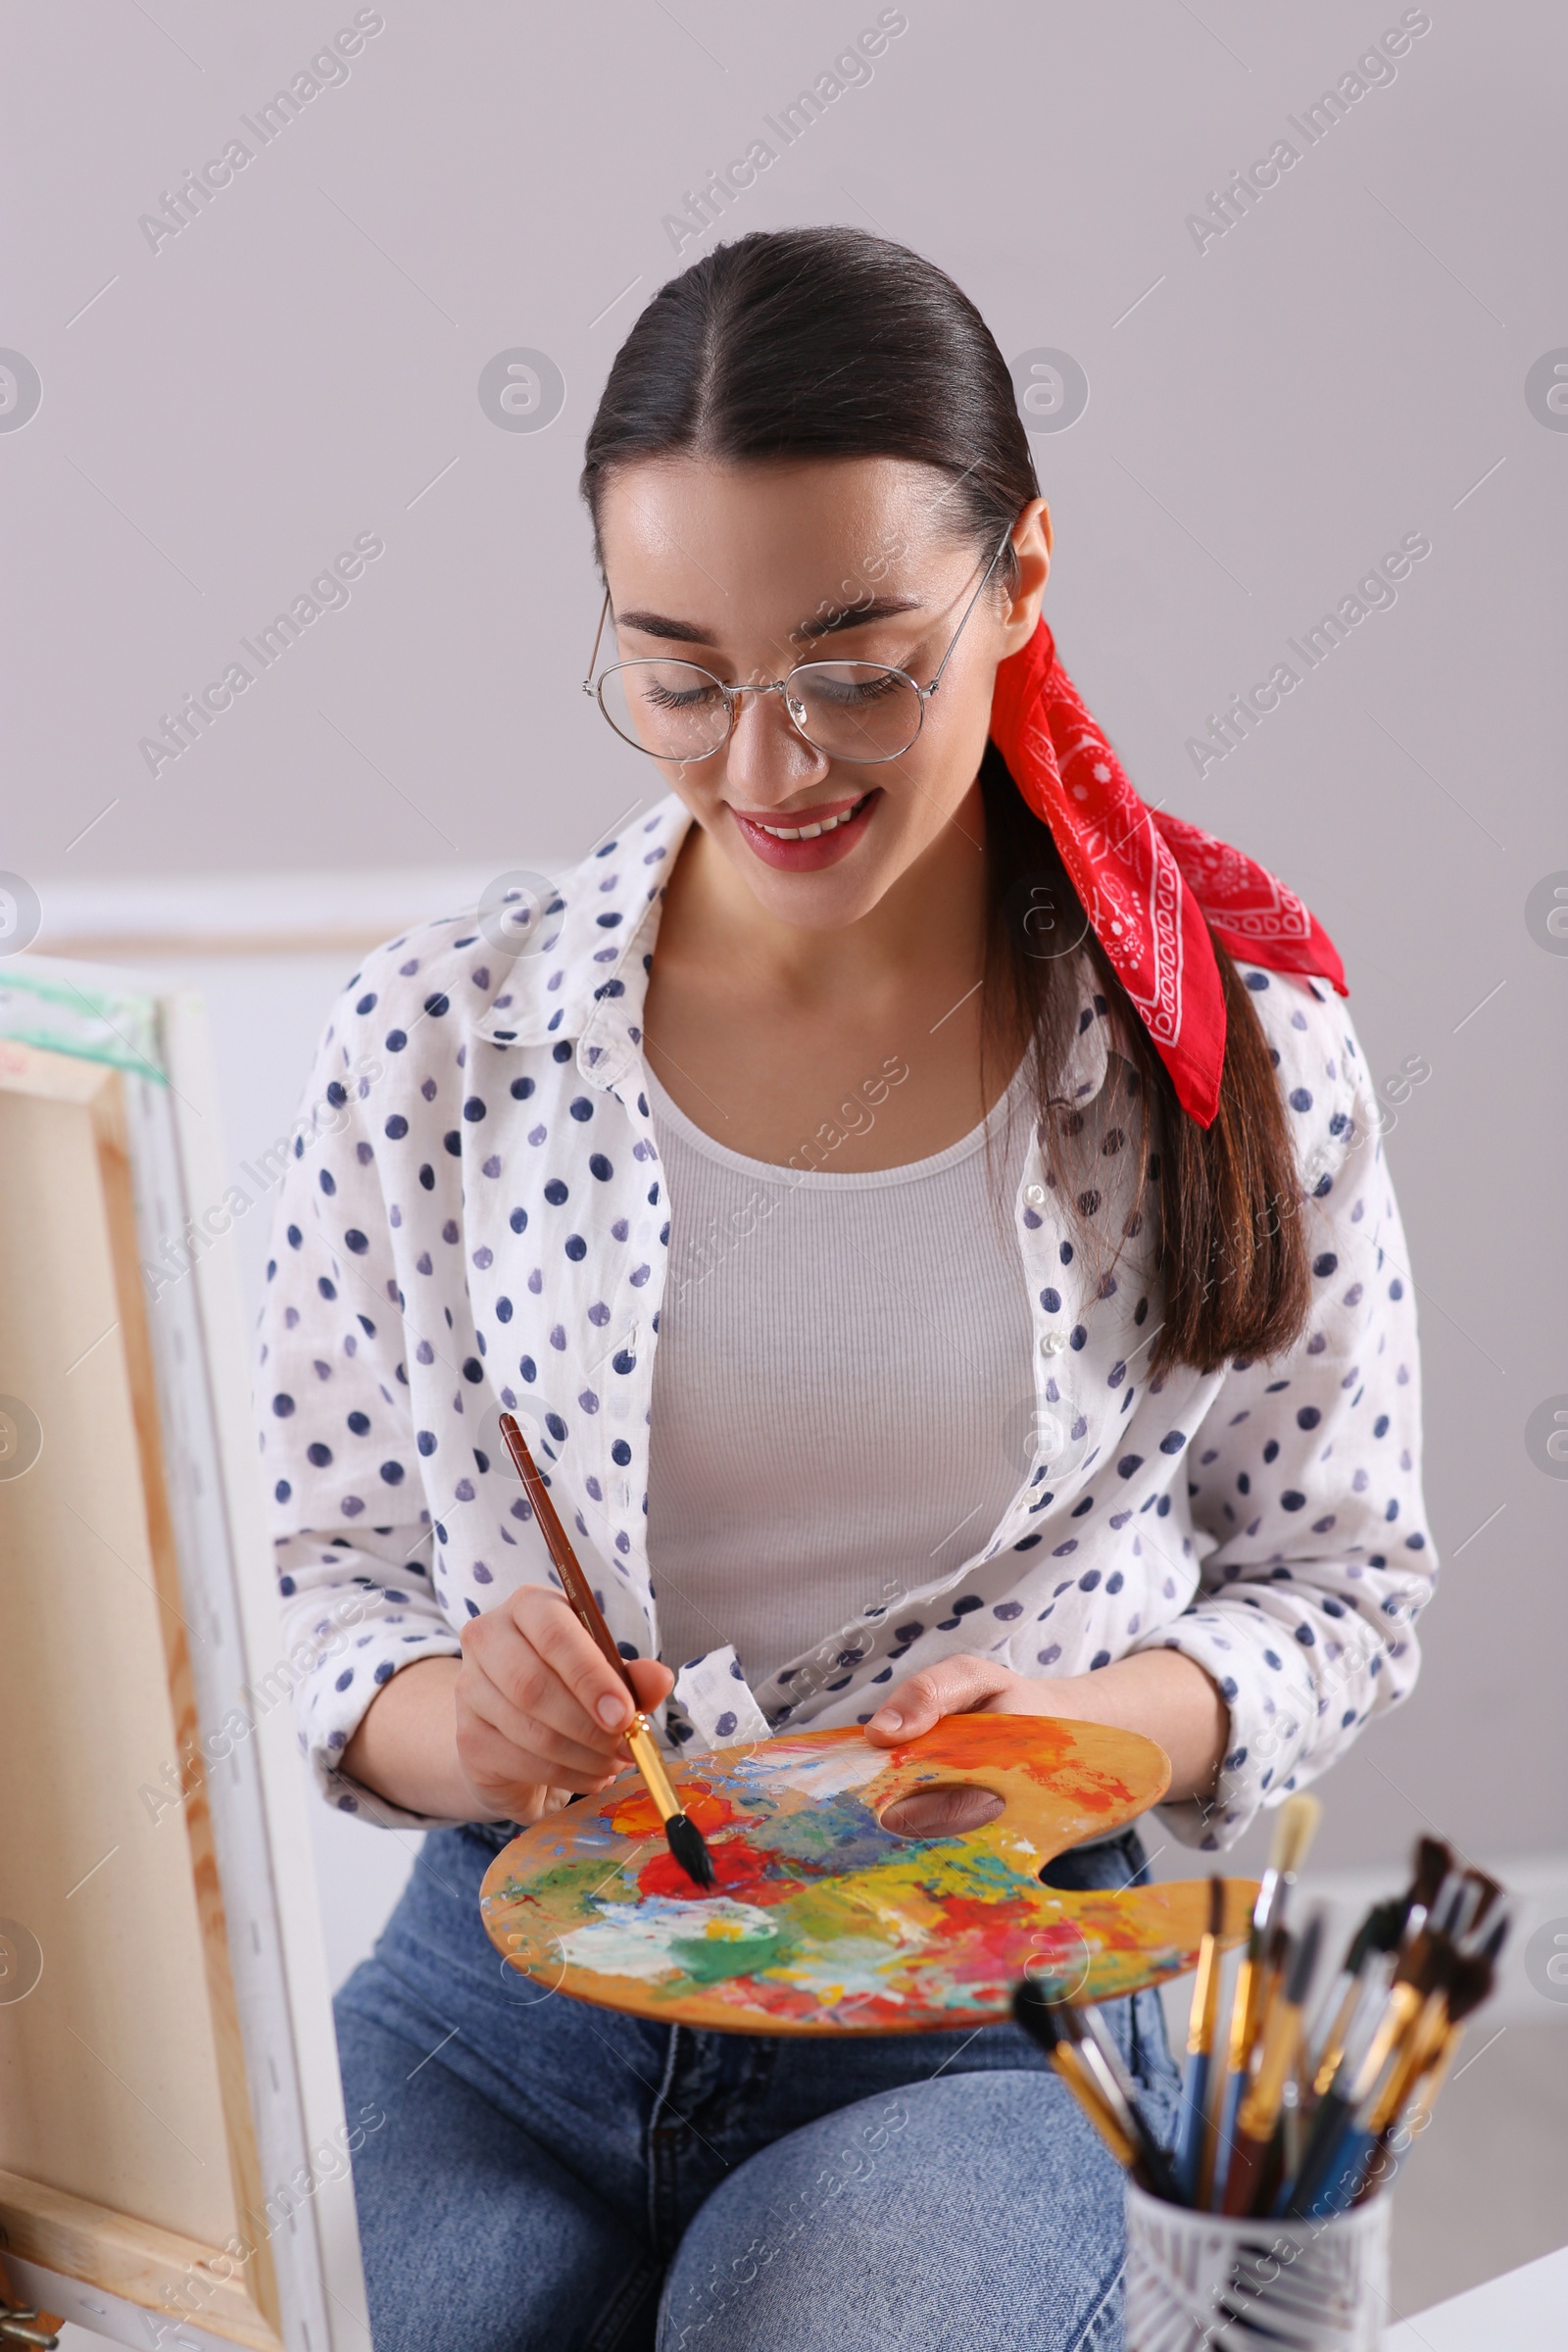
1165,1695
968,1686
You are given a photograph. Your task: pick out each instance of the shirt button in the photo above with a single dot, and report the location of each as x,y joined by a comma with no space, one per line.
1052,1344
1035,1195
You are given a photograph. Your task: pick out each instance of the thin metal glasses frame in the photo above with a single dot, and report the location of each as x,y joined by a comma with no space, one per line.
780,686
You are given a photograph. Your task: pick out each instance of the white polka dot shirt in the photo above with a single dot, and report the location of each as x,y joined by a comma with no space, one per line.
474,1218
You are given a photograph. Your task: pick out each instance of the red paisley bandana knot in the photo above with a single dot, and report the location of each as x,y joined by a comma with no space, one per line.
1151,884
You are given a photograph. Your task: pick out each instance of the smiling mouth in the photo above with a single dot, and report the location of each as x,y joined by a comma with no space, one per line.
810,832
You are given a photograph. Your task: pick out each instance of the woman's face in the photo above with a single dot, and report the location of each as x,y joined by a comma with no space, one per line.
749,570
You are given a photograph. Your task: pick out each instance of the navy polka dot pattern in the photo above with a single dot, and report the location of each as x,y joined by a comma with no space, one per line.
480,1219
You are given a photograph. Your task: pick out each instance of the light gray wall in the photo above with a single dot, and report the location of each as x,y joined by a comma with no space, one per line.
1345,366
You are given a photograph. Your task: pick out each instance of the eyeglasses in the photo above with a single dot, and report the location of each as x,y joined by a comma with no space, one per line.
862,711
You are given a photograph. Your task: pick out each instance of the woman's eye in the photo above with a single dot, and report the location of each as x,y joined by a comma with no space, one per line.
855,693
688,698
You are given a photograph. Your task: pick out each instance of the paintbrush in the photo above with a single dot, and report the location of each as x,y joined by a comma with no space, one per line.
1188,2155
1353,2169
1294,2115
1489,1891
1293,1833
1091,2038
1434,1865
686,1841
1088,2060
1425,1958
1034,2012
1375,1937
1475,1981
1464,1981
1342,2111
1258,2115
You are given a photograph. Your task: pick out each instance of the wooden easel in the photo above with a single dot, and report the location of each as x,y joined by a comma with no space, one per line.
169,2090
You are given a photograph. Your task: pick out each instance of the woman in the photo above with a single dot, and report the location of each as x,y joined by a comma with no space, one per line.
940,1299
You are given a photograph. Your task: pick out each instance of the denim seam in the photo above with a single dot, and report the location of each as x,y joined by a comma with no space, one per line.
1103,2330
663,2188
609,2328
754,2078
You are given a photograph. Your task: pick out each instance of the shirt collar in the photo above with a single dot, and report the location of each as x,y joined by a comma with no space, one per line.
596,930
588,978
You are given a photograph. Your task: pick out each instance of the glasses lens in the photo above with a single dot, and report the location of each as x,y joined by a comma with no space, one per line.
670,709
854,710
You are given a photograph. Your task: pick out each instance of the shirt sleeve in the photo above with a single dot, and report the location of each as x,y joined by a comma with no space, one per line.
353,1542
1306,1473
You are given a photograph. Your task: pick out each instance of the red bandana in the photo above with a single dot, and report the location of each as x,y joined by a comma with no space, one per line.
1147,880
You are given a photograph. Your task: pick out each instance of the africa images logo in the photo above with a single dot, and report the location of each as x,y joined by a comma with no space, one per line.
328,592
20,391
1545,390
1243,191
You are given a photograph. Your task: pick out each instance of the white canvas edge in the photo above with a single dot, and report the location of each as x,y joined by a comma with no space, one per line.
285,1793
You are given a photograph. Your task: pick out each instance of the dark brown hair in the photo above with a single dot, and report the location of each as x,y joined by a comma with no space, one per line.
830,343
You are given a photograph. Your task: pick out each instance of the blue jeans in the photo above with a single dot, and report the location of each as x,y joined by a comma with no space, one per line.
549,2174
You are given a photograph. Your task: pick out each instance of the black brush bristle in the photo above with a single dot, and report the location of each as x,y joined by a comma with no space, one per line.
1434,1860
690,1849
1470,1983
1036,2013
1490,1893
1385,1925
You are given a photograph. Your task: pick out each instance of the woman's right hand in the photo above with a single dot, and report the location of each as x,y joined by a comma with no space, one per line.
540,1711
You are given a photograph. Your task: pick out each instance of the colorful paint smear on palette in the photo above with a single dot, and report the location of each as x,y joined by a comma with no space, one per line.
824,1920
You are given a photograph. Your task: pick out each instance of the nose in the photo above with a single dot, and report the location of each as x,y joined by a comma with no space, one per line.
768,757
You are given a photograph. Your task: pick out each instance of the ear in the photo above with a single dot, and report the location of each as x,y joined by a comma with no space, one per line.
1031,546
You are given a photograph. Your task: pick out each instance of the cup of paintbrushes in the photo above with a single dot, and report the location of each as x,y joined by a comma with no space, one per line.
1199,2282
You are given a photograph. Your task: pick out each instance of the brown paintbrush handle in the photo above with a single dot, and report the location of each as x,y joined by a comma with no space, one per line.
583,1605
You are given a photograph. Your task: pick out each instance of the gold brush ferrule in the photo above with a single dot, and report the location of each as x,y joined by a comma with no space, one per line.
651,1764
1432,2082
1206,1999
1260,2108
1416,2052
1405,2003
1248,2003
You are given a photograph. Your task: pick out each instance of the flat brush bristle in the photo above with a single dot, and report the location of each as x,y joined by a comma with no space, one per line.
1297,1824
1433,1862
1216,1906
690,1849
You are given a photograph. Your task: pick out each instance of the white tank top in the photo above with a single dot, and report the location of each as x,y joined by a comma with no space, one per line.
812,1453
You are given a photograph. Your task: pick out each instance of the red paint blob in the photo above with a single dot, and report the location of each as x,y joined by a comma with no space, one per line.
740,1870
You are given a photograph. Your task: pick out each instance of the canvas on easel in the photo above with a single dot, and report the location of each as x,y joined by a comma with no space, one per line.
173,2152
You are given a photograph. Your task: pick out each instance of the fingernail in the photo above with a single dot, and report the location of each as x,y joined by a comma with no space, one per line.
887,1719
611,1711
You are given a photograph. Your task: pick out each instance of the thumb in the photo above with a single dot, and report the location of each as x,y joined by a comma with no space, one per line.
952,1687
653,1682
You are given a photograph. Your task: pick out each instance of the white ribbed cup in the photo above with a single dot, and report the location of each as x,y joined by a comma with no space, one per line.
1196,2283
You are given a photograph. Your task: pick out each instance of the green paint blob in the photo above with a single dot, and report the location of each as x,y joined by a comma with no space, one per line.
709,1959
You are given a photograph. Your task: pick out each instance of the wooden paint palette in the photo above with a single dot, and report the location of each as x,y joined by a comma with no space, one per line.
824,1919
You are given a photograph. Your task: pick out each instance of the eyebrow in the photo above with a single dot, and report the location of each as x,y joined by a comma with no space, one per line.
825,625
